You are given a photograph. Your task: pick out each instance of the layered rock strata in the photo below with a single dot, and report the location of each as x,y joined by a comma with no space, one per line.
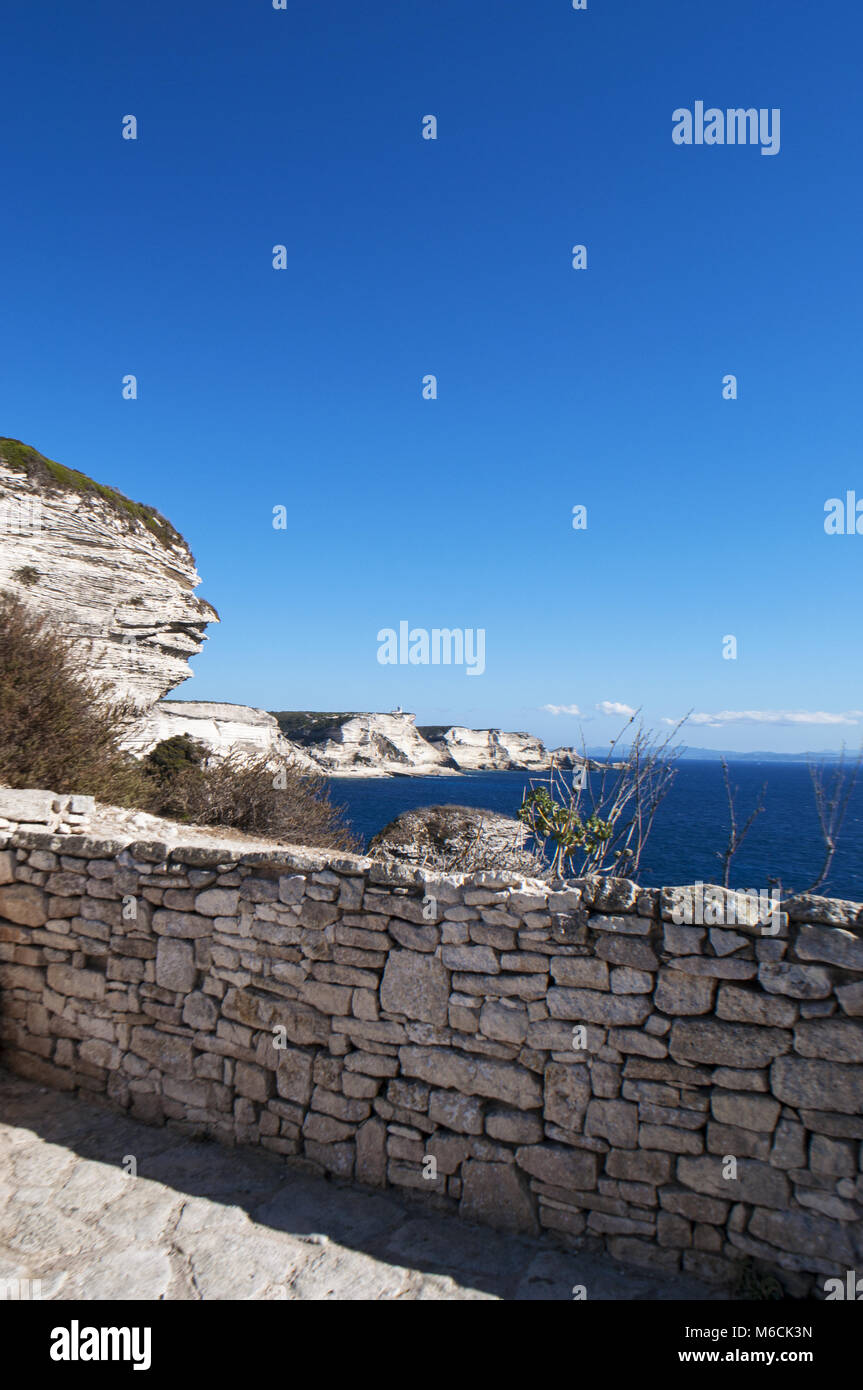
112,574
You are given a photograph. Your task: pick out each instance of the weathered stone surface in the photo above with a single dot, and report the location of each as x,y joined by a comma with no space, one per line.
751,1006
614,1120
834,945
175,965
461,1113
567,1093
218,902
513,1126
591,1006
677,993
817,1085
746,1110
562,1167
169,1053
757,1183
181,924
626,951
23,903
834,1040
580,971
480,959
497,1195
371,1160
804,1233
473,1076
797,981
81,984
504,1021
416,985
706,1040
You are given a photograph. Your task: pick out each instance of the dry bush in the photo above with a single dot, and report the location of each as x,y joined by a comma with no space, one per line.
56,730
250,794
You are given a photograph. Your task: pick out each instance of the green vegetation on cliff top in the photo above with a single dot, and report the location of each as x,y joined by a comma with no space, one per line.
308,726
48,473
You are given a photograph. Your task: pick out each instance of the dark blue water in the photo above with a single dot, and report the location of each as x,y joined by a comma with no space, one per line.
690,827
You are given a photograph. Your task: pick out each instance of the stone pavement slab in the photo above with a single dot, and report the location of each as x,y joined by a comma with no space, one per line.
204,1222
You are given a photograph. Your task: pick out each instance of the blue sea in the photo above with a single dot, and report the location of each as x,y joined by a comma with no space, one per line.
691,825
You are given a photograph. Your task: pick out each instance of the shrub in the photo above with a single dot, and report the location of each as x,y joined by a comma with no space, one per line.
61,732
171,756
56,730
246,793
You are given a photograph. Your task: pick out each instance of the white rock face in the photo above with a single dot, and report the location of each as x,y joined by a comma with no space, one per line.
221,728
126,598
481,750
379,745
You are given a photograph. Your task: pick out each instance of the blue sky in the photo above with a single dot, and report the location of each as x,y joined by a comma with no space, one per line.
557,387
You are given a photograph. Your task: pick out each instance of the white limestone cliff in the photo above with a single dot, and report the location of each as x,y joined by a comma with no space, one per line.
223,729
115,577
481,750
379,745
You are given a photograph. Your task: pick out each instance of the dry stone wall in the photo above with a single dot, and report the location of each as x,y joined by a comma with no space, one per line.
569,1059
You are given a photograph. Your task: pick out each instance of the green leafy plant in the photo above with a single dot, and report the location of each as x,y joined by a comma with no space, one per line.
597,818
561,825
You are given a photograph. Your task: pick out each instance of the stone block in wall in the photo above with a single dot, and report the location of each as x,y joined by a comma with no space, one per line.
816,1084
187,925
560,1167
471,1076
621,950
567,1093
614,1120
304,1025
834,1040
371,1153
670,1139
742,1143
796,981
79,984
738,1044
682,941
504,1021
24,904
738,1005
496,1194
591,1006
513,1126
416,985
623,926
850,998
336,1158
679,993
425,938
175,965
834,1157
171,1054
456,1112
804,1234
756,1183
745,1110
580,971
293,1074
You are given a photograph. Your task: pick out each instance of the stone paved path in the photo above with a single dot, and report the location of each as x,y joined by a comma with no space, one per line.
205,1222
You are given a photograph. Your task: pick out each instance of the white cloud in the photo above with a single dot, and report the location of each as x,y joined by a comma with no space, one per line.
760,716
561,709
615,707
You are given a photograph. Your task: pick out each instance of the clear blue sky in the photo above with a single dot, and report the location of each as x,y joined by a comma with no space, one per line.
405,257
